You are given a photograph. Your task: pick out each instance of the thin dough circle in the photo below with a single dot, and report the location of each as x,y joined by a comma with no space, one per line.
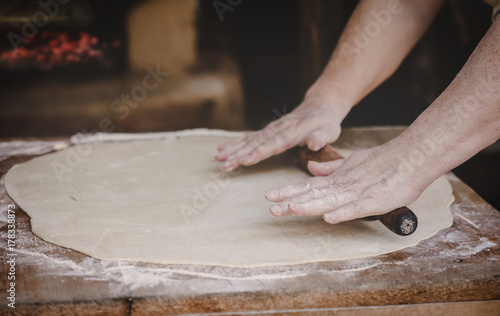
165,201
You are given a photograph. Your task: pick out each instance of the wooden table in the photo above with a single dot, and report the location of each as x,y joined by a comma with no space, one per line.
457,271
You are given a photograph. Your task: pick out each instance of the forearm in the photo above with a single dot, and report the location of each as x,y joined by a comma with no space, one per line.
464,119
378,36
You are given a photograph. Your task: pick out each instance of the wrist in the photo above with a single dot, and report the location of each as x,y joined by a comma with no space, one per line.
325,95
417,162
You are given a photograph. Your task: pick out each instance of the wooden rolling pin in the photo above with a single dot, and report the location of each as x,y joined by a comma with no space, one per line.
401,221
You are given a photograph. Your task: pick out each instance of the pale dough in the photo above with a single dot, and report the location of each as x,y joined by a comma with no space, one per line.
165,201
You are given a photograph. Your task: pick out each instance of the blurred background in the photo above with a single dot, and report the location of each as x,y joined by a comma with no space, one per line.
70,66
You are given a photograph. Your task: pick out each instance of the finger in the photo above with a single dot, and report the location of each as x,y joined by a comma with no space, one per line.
230,149
322,205
281,209
242,149
240,156
321,169
261,137
271,146
230,164
350,211
289,191
258,144
233,141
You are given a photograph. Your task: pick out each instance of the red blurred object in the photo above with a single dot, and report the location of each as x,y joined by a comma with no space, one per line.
117,43
58,49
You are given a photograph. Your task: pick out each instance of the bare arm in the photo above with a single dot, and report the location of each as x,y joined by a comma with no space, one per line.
378,36
464,119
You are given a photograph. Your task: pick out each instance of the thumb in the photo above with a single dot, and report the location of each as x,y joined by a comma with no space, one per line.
317,139
321,169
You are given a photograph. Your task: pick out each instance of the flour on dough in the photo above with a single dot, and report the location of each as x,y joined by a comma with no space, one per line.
165,201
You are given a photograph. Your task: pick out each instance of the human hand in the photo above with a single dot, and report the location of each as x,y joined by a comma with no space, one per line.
314,123
368,182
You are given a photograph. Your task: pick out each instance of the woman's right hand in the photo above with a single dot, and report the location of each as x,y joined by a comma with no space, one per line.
314,123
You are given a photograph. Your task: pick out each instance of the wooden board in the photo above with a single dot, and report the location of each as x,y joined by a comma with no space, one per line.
459,264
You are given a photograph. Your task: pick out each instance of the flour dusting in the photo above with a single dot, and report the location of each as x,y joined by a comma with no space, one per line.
16,148
468,221
469,248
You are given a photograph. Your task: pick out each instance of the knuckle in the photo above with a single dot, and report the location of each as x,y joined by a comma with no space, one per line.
330,181
318,136
298,212
287,119
314,193
277,126
331,198
359,208
307,185
318,182
371,206
280,148
351,195
280,138
248,137
259,137
257,151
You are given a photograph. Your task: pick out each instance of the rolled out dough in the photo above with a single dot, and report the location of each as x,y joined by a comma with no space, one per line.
165,201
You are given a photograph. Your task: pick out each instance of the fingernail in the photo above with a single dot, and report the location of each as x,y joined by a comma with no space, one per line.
270,194
295,209
226,166
313,146
312,163
330,219
277,209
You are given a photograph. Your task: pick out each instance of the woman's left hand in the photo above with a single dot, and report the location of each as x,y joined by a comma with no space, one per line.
368,182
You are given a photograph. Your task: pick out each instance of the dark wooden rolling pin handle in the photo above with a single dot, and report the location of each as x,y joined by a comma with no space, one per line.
401,221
